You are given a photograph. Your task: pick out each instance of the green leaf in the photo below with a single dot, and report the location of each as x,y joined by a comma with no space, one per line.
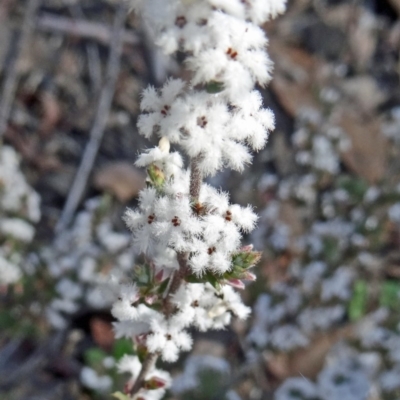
214,87
163,286
193,279
358,303
244,260
331,249
142,353
94,356
355,187
389,296
121,396
207,277
142,275
213,280
122,347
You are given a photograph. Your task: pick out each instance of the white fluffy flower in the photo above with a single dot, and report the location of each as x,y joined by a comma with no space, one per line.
9,273
237,57
17,228
124,308
167,337
141,221
92,380
158,110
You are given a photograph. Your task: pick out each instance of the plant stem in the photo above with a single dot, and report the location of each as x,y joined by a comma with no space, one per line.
147,366
196,179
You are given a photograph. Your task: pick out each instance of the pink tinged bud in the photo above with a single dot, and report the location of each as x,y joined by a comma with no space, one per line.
150,299
140,340
247,248
159,276
128,386
249,276
135,298
155,383
236,283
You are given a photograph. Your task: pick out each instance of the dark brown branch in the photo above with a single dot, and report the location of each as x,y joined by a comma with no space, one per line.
147,366
196,178
168,307
11,76
84,29
151,358
96,134
177,279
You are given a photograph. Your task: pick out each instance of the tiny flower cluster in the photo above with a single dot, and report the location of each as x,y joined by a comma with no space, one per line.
216,129
222,118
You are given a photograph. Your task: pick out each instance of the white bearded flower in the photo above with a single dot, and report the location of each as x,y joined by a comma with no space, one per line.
158,108
167,337
176,225
124,309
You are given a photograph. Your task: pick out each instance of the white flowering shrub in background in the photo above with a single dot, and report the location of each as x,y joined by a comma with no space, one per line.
333,287
188,230
81,261
19,211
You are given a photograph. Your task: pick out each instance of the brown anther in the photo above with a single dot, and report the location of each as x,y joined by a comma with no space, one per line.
195,303
176,221
168,336
180,21
202,121
228,216
150,218
211,250
165,110
232,53
198,208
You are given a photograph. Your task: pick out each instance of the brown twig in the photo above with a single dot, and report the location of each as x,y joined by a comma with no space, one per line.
84,29
92,50
151,358
176,282
196,178
11,77
147,366
96,134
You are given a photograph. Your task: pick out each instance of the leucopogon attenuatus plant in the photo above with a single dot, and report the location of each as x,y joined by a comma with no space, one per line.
188,231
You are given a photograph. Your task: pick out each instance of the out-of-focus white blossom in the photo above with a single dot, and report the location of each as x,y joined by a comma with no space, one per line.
19,210
92,380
